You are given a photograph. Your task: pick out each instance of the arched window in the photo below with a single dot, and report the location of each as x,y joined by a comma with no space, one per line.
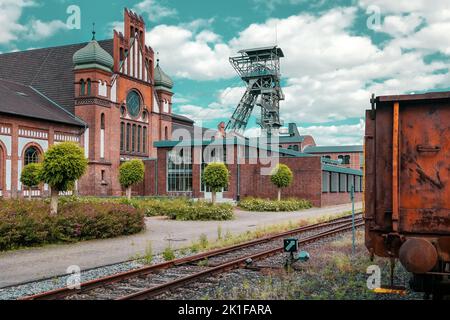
89,87
133,141
102,121
295,148
122,138
123,111
31,155
82,87
166,133
144,140
347,160
139,139
128,136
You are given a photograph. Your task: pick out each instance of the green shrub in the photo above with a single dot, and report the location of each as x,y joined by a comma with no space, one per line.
130,173
282,177
28,223
253,204
216,177
63,164
31,176
184,209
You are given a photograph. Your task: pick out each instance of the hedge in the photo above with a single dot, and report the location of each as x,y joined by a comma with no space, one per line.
253,204
184,209
28,223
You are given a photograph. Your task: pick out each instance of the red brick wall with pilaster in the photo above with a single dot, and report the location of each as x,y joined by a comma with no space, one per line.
334,198
306,185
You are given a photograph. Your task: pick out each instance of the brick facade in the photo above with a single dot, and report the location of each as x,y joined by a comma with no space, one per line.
246,180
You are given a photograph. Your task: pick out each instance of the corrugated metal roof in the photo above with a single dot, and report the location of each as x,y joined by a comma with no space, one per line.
49,70
333,149
25,101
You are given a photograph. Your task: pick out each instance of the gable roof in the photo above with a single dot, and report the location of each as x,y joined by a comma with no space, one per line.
21,100
48,70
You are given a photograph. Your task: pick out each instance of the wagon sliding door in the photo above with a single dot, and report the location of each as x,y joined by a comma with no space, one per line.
423,167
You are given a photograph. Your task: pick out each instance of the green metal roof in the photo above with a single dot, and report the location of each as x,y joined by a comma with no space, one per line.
331,168
162,80
93,56
334,149
234,141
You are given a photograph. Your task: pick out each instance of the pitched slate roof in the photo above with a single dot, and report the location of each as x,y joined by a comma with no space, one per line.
21,100
48,70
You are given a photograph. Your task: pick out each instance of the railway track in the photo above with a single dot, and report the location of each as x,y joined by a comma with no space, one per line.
149,282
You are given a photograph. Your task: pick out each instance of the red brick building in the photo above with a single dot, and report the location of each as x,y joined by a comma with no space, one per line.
348,156
109,96
179,166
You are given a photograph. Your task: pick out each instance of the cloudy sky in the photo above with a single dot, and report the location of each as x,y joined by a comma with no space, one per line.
337,52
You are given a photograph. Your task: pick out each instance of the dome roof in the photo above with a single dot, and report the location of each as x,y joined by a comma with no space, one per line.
162,80
93,56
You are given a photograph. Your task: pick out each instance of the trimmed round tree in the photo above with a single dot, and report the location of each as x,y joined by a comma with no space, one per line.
216,177
282,177
130,173
63,164
31,176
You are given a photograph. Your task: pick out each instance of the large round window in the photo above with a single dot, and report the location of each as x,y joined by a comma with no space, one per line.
133,104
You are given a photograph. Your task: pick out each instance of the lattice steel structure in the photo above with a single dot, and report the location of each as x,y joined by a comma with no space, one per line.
260,69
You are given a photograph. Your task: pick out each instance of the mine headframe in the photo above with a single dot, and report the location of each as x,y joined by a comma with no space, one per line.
259,68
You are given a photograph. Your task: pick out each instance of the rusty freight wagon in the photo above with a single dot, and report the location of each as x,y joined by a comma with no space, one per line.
407,195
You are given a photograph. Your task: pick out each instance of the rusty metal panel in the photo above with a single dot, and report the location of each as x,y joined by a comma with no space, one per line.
424,195
383,166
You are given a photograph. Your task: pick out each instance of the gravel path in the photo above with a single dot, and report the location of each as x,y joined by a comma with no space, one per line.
52,261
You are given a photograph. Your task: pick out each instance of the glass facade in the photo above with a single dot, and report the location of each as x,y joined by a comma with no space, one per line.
179,171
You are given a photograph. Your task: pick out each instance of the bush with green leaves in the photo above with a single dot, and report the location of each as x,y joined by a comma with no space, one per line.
130,173
63,164
281,177
184,209
28,223
31,176
262,205
216,177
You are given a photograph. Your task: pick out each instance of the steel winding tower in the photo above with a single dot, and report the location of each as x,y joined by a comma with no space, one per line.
260,69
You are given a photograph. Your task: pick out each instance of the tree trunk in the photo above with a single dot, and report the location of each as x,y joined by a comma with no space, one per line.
213,197
279,194
129,193
54,202
29,193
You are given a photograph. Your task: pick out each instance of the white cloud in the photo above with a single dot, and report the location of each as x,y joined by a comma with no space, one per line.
10,13
155,10
326,135
38,29
330,71
34,30
188,54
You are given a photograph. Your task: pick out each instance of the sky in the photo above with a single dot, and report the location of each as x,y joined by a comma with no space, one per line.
337,53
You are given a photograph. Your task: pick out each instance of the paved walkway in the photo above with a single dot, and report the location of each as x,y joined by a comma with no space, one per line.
49,261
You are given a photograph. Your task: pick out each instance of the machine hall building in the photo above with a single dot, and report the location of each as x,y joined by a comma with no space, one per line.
113,99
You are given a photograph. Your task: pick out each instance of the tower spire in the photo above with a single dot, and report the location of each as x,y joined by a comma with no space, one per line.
93,31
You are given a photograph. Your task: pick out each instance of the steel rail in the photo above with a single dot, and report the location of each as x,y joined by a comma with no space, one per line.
92,284
229,265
